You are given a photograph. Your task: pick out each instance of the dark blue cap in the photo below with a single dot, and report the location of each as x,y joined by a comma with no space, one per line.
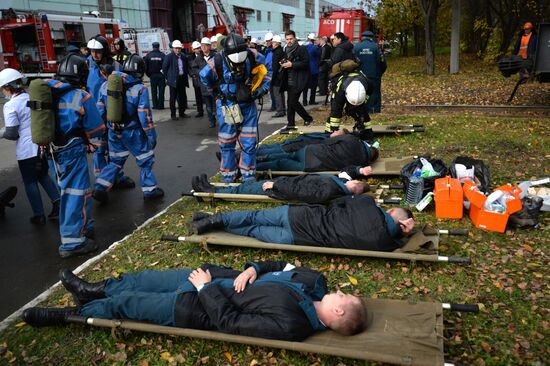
156,45
367,34
72,48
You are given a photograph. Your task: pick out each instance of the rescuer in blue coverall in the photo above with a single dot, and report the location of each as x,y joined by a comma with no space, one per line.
136,134
101,64
373,65
233,88
77,122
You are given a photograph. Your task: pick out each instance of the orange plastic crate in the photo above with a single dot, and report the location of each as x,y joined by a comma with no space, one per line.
448,198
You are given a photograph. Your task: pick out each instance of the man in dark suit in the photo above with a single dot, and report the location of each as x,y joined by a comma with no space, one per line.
295,78
153,69
176,70
268,299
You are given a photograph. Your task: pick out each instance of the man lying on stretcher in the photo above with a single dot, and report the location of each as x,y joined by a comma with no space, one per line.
268,299
348,222
335,153
308,188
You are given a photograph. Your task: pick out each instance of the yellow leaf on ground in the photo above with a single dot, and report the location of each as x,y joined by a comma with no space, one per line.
19,325
383,290
228,356
165,356
353,280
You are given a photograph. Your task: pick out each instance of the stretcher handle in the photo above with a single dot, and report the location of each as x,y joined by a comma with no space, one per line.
391,200
187,194
76,319
459,260
169,238
458,232
465,308
391,186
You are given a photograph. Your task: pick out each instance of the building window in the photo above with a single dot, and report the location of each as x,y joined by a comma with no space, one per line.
310,8
258,15
287,21
269,16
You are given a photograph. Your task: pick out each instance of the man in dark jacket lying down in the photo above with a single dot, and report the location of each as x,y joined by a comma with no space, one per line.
308,188
332,154
348,222
295,144
268,299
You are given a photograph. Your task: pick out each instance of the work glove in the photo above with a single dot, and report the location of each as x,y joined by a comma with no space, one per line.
260,92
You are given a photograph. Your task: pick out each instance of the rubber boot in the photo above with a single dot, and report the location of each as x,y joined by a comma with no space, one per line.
38,220
197,215
205,185
83,292
155,194
43,317
88,247
127,183
207,224
100,196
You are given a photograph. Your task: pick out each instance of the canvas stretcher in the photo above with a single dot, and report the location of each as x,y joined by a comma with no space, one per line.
376,129
399,332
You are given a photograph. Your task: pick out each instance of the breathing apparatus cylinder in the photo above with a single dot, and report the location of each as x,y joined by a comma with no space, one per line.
115,104
42,112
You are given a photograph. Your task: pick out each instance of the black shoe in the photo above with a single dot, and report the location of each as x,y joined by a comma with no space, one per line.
205,186
304,103
279,114
199,115
308,122
154,194
174,118
88,247
184,115
127,183
160,108
83,292
43,317
313,103
89,233
54,214
196,184
212,125
198,215
100,196
272,109
290,128
207,224
219,156
38,220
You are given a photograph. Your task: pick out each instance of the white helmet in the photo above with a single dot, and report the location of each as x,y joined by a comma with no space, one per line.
356,93
238,57
8,76
219,35
311,36
276,38
176,44
214,39
268,36
195,45
254,40
206,40
94,44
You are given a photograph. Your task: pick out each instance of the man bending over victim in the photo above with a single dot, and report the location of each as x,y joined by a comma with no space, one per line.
268,299
348,222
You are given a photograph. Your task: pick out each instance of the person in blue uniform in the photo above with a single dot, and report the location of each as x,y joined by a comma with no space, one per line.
153,69
314,52
373,65
78,121
229,76
274,300
135,135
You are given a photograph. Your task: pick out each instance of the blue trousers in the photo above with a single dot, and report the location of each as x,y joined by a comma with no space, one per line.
34,171
271,226
248,187
294,161
374,102
148,296
266,149
210,104
99,160
74,182
158,85
246,133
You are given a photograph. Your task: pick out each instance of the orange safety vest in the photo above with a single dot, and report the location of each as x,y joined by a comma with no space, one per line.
523,46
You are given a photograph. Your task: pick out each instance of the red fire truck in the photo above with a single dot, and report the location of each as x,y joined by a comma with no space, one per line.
351,22
35,42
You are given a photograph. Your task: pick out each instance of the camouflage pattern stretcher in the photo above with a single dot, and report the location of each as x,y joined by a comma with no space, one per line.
421,246
376,129
398,332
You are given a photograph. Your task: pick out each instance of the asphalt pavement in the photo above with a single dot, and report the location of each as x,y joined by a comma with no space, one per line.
29,261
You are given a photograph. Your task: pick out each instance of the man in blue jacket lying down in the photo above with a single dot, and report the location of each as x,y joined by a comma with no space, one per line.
268,299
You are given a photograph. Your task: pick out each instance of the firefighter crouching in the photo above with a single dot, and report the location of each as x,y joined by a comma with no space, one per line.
124,103
350,96
74,121
237,76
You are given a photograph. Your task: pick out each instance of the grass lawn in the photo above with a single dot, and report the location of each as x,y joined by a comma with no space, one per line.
509,275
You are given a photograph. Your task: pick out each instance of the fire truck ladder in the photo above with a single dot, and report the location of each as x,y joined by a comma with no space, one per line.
222,14
41,38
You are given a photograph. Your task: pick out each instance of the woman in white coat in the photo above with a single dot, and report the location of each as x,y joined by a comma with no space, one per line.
34,169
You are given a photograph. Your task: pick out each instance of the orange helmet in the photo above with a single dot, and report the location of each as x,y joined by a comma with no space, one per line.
528,25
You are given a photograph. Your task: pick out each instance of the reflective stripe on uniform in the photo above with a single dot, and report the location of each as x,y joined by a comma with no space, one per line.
249,130
73,104
145,155
134,92
226,136
103,182
148,189
73,240
119,154
75,191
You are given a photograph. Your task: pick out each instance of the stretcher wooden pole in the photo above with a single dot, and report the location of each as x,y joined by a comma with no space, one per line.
376,129
263,198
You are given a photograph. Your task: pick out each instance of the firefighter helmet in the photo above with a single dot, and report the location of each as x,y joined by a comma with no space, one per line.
73,70
134,65
235,49
120,43
356,93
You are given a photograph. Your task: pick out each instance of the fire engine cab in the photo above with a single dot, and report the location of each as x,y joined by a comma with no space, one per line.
351,22
35,42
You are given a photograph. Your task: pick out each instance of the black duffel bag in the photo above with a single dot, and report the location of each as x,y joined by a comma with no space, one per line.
481,171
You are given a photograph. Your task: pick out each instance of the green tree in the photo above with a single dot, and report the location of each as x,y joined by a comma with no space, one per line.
398,20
